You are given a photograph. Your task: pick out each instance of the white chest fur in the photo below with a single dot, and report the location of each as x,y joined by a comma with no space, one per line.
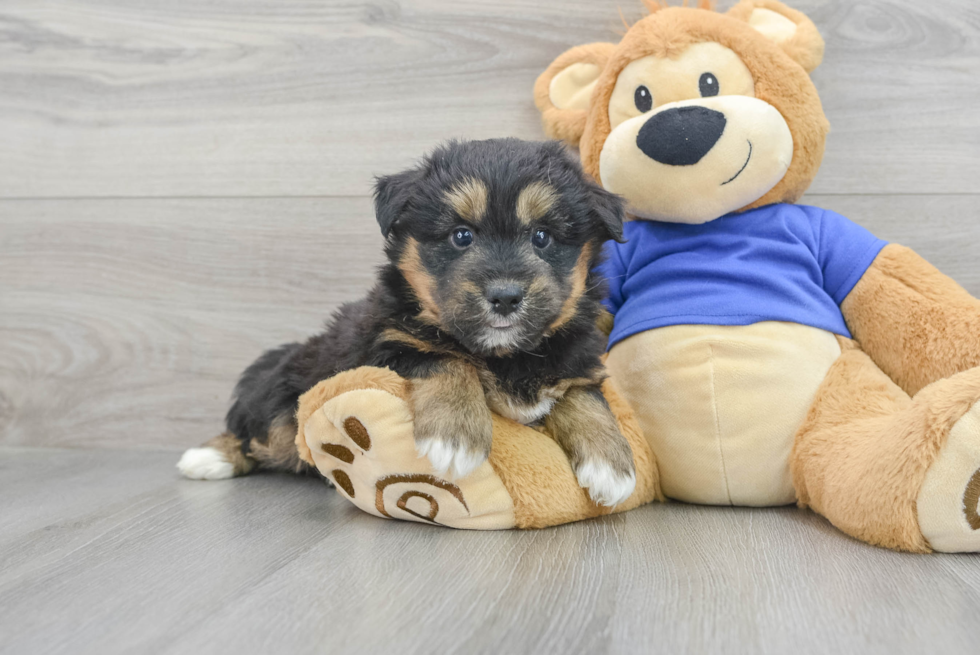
515,409
521,412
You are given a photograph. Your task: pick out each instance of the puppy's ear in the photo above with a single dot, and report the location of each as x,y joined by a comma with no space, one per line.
391,196
609,211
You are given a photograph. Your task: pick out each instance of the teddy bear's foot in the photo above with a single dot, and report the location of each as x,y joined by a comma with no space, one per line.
948,500
357,429
362,441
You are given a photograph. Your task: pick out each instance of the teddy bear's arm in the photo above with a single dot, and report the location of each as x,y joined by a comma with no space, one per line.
917,324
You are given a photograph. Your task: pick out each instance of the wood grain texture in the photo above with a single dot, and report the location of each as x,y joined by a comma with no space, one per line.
127,322
183,185
280,564
259,98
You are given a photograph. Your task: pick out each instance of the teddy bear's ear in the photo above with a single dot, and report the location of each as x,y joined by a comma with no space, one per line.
791,30
563,91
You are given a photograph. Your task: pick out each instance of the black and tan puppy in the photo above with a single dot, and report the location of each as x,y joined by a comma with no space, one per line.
488,302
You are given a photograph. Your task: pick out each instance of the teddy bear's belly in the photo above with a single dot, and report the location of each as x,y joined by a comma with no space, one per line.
720,405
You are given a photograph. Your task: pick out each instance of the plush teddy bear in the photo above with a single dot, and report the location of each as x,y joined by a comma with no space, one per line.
773,353
768,353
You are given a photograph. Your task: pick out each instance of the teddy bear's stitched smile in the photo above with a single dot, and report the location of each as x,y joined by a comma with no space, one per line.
732,179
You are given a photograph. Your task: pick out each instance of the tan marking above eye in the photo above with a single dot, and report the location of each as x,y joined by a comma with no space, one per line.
468,199
534,201
672,80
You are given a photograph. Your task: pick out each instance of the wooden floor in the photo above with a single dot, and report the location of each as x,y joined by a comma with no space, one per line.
184,184
106,551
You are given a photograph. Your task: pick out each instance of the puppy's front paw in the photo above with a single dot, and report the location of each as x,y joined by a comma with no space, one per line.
455,438
446,456
453,426
606,485
584,426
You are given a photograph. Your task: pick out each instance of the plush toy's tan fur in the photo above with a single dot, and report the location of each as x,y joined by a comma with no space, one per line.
539,478
889,450
862,454
361,378
528,463
778,70
917,324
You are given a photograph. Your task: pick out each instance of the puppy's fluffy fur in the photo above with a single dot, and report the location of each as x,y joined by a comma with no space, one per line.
488,301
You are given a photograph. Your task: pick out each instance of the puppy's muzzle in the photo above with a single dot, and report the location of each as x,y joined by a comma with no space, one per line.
505,298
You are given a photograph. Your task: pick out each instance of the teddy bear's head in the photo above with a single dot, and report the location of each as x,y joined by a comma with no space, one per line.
694,114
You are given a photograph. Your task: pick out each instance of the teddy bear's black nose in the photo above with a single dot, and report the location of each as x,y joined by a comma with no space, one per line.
681,136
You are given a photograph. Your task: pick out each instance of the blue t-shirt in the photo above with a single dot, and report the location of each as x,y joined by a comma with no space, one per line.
777,263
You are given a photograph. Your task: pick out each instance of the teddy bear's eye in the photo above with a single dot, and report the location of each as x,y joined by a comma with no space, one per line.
643,99
708,85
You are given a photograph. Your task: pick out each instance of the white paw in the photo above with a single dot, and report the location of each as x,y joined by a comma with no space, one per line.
606,486
444,457
205,464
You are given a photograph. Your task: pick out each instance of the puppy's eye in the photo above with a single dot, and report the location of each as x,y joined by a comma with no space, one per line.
643,99
541,239
462,238
708,85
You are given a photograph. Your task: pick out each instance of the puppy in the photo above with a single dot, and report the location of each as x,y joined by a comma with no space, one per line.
488,302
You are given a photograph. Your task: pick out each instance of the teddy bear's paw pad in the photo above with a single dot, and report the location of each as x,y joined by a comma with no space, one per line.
423,497
363,442
948,504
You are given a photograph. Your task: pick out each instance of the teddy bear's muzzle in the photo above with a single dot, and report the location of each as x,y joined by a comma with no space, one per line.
693,161
681,136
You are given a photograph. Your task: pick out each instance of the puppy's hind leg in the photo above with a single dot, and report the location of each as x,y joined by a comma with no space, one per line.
277,452
260,428
218,459
227,456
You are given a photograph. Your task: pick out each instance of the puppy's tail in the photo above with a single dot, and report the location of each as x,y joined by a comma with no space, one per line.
220,458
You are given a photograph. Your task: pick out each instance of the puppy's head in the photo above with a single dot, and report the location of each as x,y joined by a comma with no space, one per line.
497,239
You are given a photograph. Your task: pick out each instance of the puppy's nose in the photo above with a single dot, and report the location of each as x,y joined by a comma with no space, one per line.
681,136
505,298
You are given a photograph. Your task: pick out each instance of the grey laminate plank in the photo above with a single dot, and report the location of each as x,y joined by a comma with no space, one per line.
133,573
281,564
254,97
31,501
126,322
